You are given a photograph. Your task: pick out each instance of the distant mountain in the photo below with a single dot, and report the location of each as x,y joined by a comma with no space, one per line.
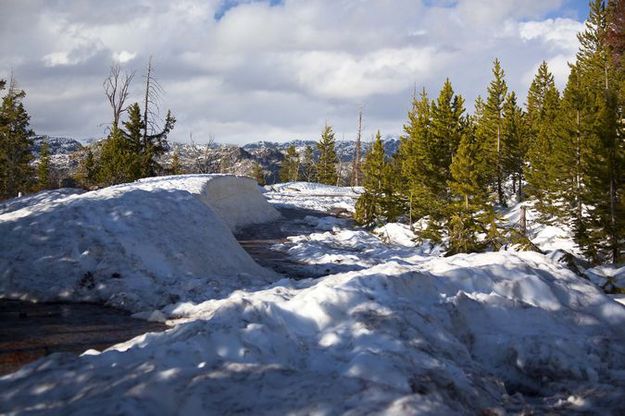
212,158
57,145
345,149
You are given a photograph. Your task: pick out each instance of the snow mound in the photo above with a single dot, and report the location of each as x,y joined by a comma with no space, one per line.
313,196
471,334
136,246
234,198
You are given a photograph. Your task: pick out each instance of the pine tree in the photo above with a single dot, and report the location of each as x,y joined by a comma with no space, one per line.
15,144
326,166
176,167
43,169
413,155
377,203
603,173
470,175
433,133
308,167
570,154
490,129
118,161
543,103
259,174
514,142
543,173
289,171
87,174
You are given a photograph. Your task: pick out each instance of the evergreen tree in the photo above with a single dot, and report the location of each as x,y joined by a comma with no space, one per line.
543,173
118,161
603,171
176,168
413,156
326,166
377,203
43,169
570,154
259,174
307,167
490,130
433,133
514,141
289,171
470,175
88,170
543,103
15,144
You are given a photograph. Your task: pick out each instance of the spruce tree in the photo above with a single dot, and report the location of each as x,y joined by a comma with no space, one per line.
326,166
490,130
16,174
289,171
43,169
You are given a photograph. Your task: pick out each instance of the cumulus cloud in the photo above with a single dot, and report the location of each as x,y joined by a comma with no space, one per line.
248,70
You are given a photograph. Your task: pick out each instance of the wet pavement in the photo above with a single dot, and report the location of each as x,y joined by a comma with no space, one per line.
258,239
29,331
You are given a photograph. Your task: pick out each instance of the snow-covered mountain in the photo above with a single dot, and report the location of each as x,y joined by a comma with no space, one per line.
56,145
65,154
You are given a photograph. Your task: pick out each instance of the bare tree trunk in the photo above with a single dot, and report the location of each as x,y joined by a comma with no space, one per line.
148,79
499,184
116,89
523,220
357,156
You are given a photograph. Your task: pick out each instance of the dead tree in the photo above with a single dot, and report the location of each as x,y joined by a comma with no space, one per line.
358,152
116,89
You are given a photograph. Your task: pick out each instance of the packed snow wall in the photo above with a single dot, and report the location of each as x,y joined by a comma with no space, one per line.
137,246
236,199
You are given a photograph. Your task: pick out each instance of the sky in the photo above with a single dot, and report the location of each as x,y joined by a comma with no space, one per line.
239,71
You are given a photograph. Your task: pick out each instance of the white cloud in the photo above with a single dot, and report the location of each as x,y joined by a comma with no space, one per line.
124,56
263,71
556,33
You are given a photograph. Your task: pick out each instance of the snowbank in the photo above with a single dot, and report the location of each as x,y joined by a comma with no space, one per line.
313,196
234,198
135,246
471,334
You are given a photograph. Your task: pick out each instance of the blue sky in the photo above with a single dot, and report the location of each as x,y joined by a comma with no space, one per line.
241,71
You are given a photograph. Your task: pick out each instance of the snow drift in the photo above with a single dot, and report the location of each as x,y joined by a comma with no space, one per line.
471,334
135,246
235,199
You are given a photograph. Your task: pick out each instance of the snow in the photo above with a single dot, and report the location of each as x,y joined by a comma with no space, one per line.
136,246
455,335
545,237
234,198
390,329
313,196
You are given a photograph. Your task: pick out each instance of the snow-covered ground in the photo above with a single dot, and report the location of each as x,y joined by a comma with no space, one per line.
313,196
397,331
